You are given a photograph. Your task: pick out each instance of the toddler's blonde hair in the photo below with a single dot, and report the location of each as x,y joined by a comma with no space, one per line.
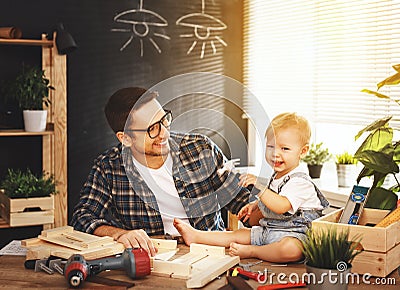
286,120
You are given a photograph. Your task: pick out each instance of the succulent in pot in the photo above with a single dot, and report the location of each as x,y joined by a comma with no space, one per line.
316,156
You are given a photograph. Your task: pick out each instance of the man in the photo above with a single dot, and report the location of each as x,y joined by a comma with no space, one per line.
137,188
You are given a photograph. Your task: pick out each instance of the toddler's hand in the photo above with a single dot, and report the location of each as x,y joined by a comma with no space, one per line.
246,211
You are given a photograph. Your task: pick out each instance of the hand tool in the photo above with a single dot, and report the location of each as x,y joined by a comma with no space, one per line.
354,206
136,262
391,218
55,265
247,266
257,276
40,265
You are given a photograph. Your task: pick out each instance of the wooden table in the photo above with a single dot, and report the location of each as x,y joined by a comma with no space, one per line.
13,275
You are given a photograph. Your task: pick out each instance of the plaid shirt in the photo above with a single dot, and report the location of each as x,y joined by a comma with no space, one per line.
109,198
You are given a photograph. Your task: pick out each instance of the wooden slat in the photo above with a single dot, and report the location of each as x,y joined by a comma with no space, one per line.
16,133
68,237
201,249
59,117
208,269
47,141
31,218
165,244
33,42
377,264
20,204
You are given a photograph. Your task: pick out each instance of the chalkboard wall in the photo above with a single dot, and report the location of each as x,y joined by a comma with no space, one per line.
102,64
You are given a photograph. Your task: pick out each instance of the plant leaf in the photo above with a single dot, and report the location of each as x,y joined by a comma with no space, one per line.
379,177
377,140
381,198
374,125
378,161
379,95
396,154
392,80
365,172
397,67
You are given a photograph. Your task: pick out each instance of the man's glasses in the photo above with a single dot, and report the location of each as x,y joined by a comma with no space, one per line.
154,130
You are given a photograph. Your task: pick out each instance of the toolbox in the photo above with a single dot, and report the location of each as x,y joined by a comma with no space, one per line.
381,245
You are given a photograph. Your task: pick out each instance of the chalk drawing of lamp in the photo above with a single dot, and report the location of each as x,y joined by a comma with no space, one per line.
204,26
141,23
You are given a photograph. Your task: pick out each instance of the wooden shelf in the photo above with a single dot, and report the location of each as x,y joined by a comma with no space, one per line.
32,42
14,133
54,139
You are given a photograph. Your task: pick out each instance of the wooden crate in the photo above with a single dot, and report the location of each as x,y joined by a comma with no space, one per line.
381,254
27,211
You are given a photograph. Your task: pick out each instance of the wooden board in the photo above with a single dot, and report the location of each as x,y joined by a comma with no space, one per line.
207,269
39,249
65,241
68,237
377,264
201,265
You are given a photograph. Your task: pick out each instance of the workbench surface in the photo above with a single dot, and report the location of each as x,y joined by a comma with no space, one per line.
13,275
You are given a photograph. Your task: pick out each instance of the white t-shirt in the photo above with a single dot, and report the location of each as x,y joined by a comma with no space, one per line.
300,192
161,183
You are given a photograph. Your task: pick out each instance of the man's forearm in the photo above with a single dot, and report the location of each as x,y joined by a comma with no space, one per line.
110,231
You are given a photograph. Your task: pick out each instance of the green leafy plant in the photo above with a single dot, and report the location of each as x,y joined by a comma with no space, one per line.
317,154
19,184
31,89
345,158
379,153
325,248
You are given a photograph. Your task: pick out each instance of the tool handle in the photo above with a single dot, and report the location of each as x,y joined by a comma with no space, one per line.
281,286
110,263
251,275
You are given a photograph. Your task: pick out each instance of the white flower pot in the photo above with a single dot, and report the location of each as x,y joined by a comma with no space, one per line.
35,120
347,174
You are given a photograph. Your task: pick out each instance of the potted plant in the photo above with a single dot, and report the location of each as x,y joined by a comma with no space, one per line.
379,153
346,168
316,156
329,253
31,90
27,199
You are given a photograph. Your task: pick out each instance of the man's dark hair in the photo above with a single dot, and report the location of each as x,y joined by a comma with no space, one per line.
120,104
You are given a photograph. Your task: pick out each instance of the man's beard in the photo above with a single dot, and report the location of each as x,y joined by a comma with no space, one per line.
152,153
162,153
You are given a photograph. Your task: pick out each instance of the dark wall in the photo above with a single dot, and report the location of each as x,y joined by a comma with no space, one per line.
98,67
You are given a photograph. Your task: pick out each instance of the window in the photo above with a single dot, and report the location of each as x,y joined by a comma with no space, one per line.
314,57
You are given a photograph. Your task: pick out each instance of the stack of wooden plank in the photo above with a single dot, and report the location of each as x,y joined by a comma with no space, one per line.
64,241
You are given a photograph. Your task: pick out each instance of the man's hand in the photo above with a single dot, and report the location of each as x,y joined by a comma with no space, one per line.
137,239
130,238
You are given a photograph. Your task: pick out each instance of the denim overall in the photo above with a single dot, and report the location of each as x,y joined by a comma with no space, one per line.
276,226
